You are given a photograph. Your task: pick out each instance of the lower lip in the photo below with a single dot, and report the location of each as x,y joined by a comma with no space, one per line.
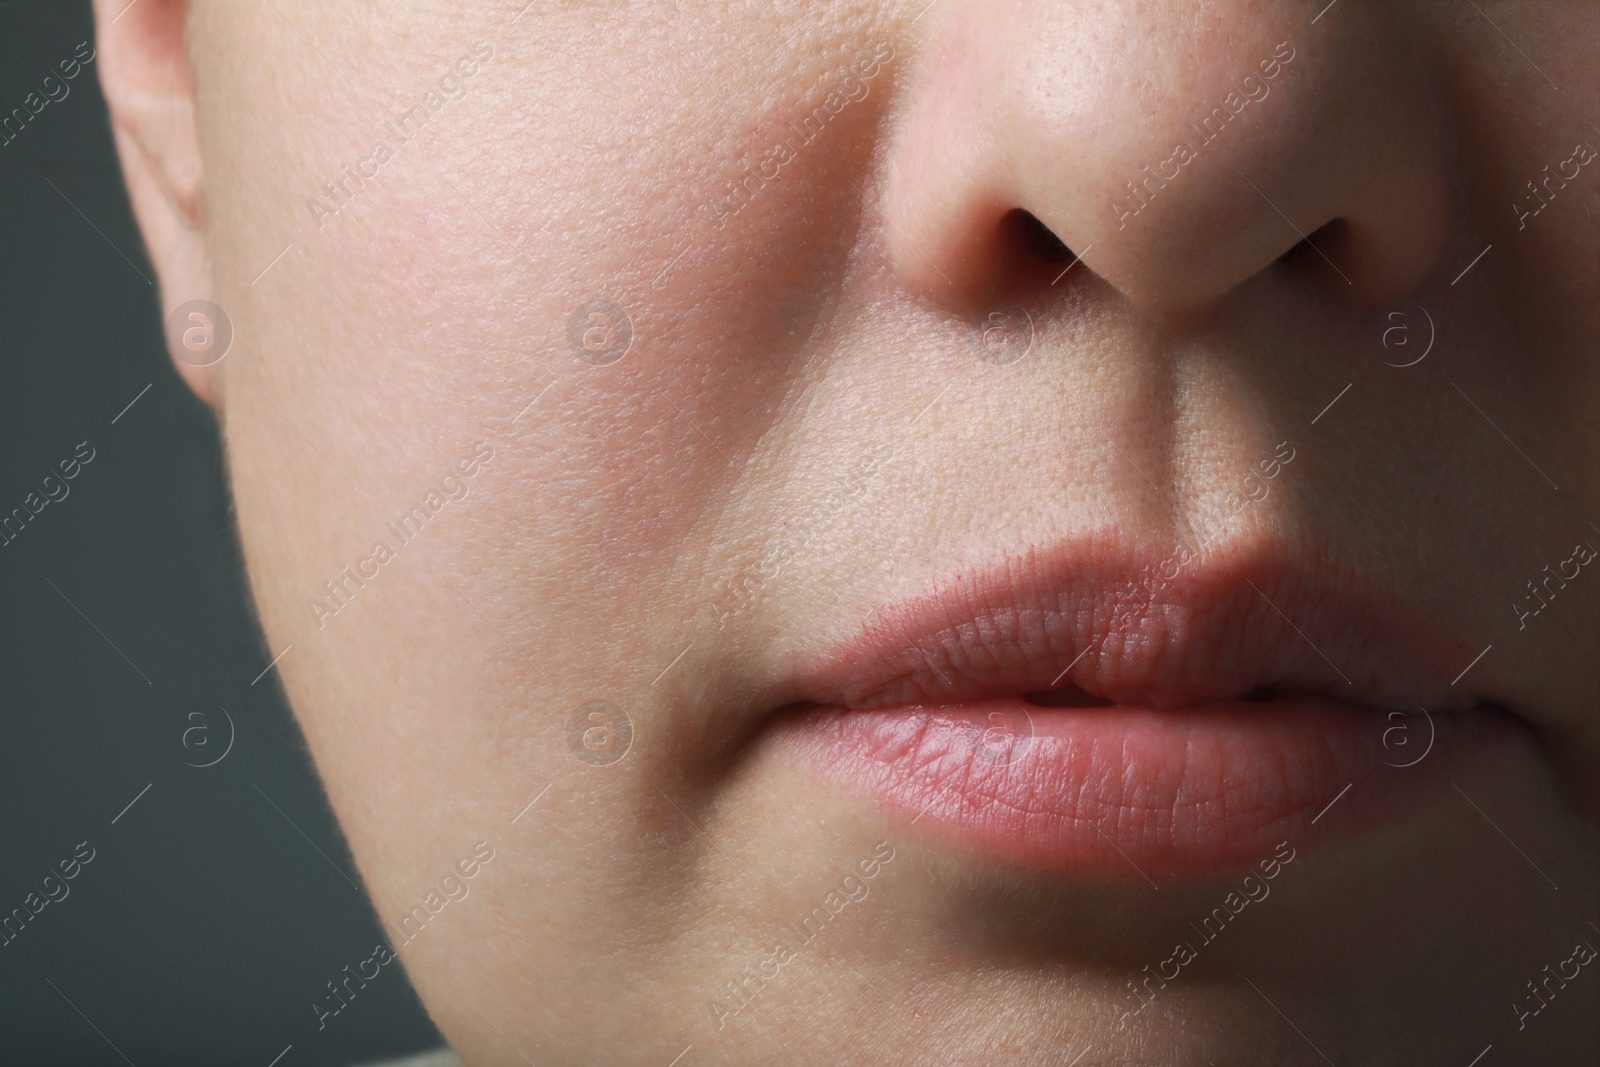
1135,792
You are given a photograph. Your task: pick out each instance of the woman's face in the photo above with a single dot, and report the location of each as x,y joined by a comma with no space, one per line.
967,532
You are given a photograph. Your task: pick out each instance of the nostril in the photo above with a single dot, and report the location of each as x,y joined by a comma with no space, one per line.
1043,243
1301,249
1315,246
1323,261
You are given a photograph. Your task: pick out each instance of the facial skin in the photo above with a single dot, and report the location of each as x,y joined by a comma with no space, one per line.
838,315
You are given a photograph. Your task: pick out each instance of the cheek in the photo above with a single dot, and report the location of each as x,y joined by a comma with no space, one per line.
650,435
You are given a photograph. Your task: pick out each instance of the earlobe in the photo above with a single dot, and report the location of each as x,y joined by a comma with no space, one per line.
142,53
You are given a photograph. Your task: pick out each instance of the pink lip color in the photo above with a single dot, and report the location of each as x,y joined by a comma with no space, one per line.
1133,792
925,710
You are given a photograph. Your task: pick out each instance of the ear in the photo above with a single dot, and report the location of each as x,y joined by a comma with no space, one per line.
149,89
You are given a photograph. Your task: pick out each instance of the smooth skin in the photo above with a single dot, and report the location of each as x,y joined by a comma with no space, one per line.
837,313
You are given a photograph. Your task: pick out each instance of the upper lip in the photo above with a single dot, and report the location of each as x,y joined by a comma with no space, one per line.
1110,621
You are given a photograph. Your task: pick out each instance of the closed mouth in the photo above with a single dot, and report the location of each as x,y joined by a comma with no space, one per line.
1072,709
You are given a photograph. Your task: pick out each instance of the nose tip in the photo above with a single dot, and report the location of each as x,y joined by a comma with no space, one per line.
1177,170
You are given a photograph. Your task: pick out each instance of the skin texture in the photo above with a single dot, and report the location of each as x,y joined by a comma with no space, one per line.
836,313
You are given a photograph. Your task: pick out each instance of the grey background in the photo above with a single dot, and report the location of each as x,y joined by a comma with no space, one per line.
207,924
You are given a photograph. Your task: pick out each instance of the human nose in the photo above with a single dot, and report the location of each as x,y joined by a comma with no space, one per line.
1178,149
